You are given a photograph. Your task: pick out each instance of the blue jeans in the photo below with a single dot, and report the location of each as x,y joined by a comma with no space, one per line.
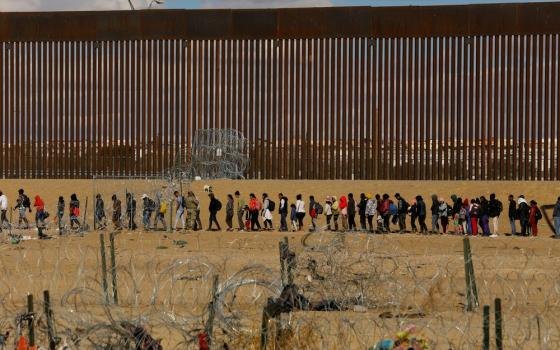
512,224
146,218
557,226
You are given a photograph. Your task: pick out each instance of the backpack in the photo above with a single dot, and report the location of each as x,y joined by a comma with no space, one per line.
392,209
163,207
26,201
474,211
449,211
318,208
151,205
500,207
463,213
183,202
218,205
271,205
538,214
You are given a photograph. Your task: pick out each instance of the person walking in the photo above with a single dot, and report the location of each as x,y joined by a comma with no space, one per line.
474,212
293,217
455,208
523,214
267,209
370,211
385,212
3,210
192,206
39,206
328,212
131,211
462,217
117,212
402,210
413,211
161,210
60,206
300,211
484,216
254,208
214,207
229,212
343,206
512,214
534,216
335,209
148,207
422,212
75,211
435,214
180,206
240,210
443,216
22,204
283,211
495,208
362,211
100,219
556,218
313,213
351,212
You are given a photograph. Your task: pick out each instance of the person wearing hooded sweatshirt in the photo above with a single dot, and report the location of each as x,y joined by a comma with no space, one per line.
413,210
351,212
512,214
435,214
362,211
443,217
161,210
385,212
556,217
343,206
523,214
39,206
335,208
455,208
371,210
313,213
494,210
421,214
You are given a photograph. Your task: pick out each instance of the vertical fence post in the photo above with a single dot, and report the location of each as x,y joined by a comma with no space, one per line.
468,305
103,268
264,324
499,323
31,320
209,328
114,268
282,246
50,321
486,327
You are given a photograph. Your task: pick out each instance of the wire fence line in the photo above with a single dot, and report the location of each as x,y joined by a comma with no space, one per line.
377,286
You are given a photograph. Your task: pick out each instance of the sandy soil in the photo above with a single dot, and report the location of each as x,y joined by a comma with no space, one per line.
165,283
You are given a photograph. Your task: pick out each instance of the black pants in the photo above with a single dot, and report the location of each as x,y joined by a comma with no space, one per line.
370,222
524,226
212,220
422,221
283,223
300,217
363,222
352,222
386,222
402,221
3,218
229,220
413,223
255,225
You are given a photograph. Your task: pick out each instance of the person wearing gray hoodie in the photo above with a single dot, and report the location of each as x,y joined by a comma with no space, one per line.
556,216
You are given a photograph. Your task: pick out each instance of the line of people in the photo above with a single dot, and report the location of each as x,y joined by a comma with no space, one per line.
376,213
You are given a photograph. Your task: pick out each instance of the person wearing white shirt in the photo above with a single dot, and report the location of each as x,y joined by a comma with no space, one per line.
300,211
3,210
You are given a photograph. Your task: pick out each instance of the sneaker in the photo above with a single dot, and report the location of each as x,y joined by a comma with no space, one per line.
494,235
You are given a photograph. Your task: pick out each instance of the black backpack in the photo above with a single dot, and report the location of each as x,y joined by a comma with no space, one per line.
271,205
151,205
538,214
26,201
500,207
218,205
318,208
183,202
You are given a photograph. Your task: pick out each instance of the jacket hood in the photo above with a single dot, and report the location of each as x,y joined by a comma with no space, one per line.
454,197
521,200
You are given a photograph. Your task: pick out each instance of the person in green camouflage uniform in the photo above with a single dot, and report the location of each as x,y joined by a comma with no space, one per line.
192,205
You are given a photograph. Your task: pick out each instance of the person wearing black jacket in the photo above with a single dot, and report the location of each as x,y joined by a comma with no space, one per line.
484,211
435,214
351,212
421,207
457,204
283,211
523,213
512,214
494,211
213,208
362,211
556,217
402,209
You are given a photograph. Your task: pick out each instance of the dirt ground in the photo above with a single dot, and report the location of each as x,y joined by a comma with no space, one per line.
164,279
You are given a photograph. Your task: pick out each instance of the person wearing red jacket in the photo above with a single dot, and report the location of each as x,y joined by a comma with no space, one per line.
384,212
534,216
343,206
39,211
254,208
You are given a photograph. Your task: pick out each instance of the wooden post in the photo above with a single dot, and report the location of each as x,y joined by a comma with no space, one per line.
282,250
103,268
50,321
31,319
499,323
474,291
170,211
486,327
11,222
468,305
85,216
264,325
114,268
209,328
